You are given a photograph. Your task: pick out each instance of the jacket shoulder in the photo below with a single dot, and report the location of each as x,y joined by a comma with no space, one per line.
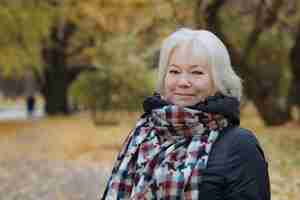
243,141
240,135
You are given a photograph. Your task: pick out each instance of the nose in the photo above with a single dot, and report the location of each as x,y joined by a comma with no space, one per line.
184,81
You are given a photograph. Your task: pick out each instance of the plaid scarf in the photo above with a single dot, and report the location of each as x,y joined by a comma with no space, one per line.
164,155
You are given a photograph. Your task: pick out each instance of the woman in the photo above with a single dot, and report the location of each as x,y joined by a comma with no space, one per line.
188,143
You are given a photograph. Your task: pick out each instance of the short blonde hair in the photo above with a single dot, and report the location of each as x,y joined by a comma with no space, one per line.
225,79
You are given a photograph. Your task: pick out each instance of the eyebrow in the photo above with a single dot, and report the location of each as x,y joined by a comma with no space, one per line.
192,66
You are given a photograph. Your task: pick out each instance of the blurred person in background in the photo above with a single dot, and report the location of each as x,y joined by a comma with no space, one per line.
30,105
188,143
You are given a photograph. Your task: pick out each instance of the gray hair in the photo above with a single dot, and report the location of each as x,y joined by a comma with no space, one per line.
225,79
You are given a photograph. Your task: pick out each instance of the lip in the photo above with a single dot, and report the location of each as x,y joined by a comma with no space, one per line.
188,95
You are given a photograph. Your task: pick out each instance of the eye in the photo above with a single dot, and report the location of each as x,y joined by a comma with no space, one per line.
174,71
197,72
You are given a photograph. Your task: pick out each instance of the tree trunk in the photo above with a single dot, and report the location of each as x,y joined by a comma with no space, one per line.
58,74
55,91
294,91
263,89
272,111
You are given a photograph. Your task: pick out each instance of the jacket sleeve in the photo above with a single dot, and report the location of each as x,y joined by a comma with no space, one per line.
247,175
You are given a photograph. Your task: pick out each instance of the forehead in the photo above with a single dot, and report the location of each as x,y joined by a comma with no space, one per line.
190,53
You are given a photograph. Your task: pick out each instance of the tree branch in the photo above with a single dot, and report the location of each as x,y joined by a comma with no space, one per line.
265,18
79,49
75,70
211,15
213,24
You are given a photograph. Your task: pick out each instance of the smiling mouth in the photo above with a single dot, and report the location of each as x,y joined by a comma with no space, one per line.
187,95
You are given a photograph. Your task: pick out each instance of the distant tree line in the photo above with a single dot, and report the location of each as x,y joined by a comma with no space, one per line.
102,52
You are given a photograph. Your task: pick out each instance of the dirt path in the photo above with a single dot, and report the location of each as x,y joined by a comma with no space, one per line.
52,180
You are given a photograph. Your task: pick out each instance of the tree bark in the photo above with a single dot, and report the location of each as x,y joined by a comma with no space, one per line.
294,90
55,91
263,90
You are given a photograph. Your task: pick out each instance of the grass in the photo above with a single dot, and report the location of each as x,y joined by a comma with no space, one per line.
76,138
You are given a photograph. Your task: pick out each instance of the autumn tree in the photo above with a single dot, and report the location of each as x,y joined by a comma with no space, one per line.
255,50
38,36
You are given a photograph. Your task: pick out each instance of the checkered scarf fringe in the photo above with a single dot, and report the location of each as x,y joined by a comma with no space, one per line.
163,157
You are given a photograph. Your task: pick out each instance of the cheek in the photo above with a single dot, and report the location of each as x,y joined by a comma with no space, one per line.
169,84
203,84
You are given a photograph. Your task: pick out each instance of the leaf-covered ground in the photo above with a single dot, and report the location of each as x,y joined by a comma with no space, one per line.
70,158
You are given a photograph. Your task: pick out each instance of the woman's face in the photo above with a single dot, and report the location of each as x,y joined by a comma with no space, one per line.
188,78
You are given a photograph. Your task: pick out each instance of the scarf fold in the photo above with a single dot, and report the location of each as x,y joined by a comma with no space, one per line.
164,156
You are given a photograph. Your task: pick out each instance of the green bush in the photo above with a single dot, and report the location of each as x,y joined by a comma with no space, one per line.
113,88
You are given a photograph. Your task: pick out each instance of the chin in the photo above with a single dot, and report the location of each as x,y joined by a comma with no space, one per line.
184,103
